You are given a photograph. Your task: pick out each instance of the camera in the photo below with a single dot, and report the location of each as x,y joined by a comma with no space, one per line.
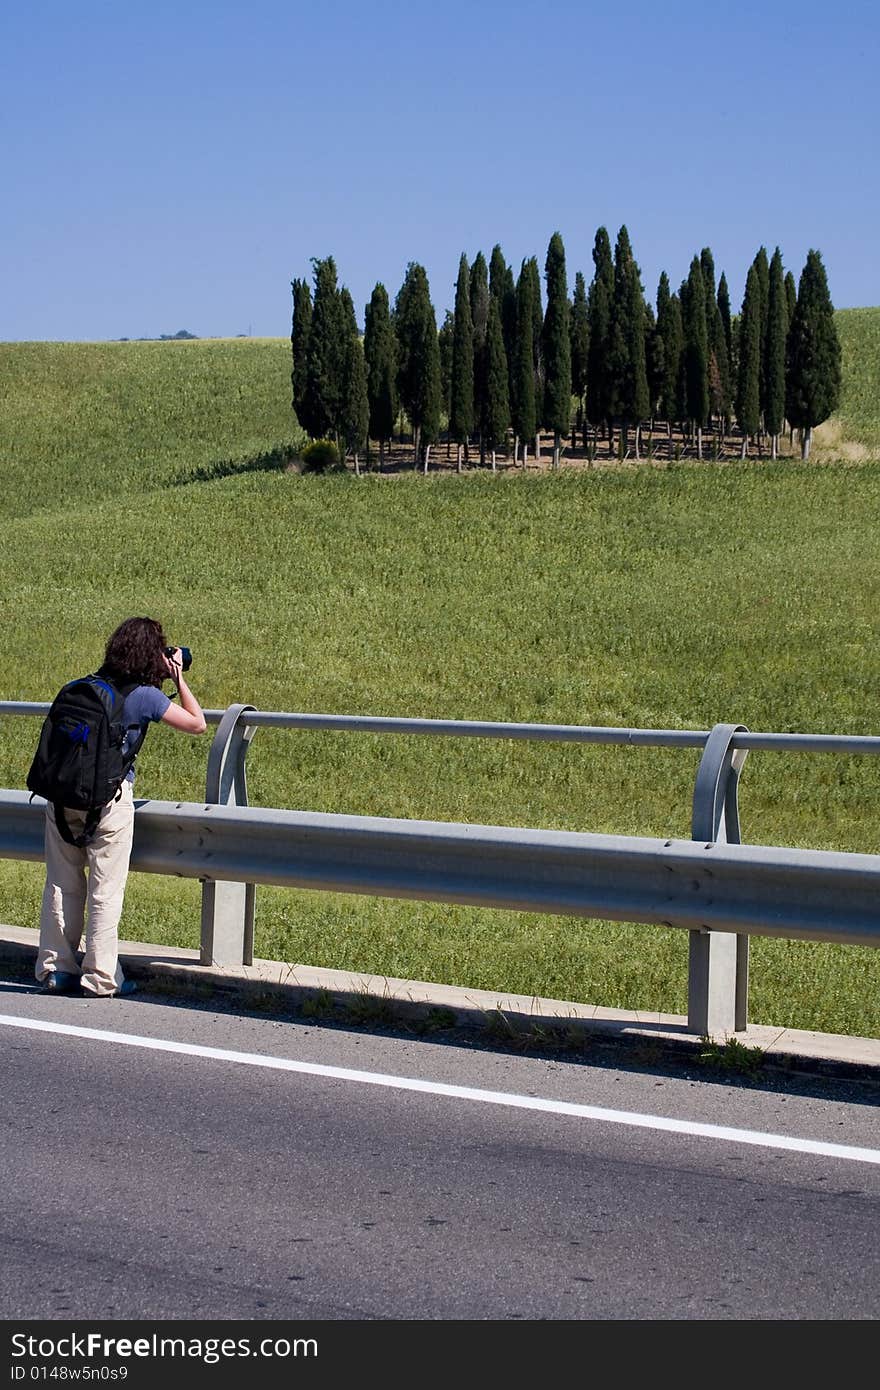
186,656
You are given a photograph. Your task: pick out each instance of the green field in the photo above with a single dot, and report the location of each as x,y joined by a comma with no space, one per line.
858,418
87,420
668,598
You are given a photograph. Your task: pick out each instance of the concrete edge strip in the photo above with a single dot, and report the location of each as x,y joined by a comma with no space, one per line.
472,1007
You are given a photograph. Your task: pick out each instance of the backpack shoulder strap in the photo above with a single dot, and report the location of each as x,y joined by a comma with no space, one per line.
136,745
88,830
125,691
113,687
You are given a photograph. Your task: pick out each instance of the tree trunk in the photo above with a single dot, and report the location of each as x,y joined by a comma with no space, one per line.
525,455
538,447
482,450
381,454
515,450
458,459
745,446
638,431
427,455
806,441
416,439
699,441
555,449
493,461
774,443
357,466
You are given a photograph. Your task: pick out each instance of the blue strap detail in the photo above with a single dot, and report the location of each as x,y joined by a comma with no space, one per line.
109,688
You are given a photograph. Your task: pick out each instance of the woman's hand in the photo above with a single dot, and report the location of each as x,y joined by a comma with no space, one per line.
174,664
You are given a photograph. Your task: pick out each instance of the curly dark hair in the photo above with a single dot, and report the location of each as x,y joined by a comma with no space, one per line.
135,652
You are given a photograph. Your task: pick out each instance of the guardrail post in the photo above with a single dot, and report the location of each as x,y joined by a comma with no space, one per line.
718,962
227,936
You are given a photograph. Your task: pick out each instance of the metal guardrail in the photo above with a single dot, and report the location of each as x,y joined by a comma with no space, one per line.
717,889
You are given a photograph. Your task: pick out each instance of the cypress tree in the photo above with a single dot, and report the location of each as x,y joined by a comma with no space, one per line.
734,357
640,401
762,265
655,360
774,366
724,310
497,391
718,367
681,389
381,371
299,343
503,293
790,296
523,395
461,411
707,270
557,346
678,386
537,349
599,304
326,357
508,323
497,279
626,354
444,341
718,358
479,295
418,359
790,306
813,390
696,352
669,329
478,285
580,346
748,396
354,421
617,357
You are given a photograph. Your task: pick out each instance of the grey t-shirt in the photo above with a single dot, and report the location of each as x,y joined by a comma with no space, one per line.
145,705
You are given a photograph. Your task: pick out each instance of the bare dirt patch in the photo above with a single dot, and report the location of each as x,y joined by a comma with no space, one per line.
655,447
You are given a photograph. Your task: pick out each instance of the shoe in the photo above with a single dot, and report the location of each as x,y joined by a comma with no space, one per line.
60,982
127,987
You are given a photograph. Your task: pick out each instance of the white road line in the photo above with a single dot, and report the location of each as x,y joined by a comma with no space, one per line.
441,1088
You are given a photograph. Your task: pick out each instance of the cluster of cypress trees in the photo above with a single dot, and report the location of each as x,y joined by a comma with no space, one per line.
503,362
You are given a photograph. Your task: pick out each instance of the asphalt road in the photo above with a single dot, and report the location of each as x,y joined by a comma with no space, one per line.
149,1182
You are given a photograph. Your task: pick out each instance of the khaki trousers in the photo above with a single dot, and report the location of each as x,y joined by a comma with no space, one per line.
68,892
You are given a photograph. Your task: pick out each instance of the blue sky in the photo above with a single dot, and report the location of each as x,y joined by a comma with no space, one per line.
176,165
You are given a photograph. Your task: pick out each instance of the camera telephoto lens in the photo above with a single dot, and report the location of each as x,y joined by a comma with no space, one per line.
186,658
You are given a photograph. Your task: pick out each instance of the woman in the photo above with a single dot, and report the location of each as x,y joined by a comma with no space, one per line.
136,652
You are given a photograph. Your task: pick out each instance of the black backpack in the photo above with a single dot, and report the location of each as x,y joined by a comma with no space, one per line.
79,760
